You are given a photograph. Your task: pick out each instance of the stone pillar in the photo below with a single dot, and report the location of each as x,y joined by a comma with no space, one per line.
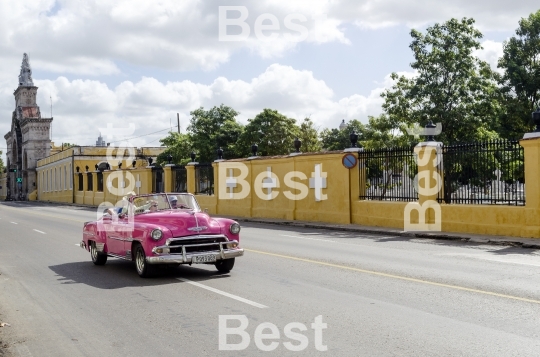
168,178
531,146
190,168
427,211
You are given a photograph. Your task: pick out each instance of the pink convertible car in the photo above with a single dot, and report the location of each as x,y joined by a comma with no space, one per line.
165,228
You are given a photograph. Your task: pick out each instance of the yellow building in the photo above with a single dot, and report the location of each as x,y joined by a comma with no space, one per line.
80,173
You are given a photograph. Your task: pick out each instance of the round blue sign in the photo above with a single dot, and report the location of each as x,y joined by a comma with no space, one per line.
349,161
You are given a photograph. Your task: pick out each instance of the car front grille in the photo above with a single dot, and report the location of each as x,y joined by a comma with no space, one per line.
206,244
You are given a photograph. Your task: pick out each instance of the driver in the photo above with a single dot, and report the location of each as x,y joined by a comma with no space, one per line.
174,201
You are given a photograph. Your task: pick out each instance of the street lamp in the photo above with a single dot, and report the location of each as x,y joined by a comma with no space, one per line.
430,125
220,154
254,149
297,144
353,137
169,158
193,156
536,119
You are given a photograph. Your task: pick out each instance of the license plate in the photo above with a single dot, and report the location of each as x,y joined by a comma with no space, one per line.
203,258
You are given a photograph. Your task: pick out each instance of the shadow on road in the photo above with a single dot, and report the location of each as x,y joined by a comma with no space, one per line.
388,238
118,274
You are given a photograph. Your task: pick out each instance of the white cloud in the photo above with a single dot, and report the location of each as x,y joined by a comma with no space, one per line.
92,37
81,107
491,52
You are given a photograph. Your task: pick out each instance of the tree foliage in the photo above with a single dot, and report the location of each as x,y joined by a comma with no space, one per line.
309,135
215,128
521,79
179,146
272,131
338,139
451,86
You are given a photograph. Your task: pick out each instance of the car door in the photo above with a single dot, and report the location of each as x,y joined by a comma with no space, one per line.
115,238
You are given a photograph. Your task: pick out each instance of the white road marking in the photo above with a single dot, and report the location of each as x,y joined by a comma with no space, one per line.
322,240
14,222
533,260
39,231
217,291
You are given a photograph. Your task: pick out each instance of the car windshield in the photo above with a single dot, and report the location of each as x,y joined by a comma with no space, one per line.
163,201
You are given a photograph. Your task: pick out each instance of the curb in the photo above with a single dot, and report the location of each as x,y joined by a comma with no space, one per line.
440,236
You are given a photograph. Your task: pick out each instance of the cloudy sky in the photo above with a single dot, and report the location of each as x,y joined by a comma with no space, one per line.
140,62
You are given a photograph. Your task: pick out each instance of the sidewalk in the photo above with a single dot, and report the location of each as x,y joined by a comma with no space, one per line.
531,243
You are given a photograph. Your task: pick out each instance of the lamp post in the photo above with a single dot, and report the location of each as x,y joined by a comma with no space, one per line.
220,154
169,158
536,119
353,137
297,144
193,156
430,125
254,149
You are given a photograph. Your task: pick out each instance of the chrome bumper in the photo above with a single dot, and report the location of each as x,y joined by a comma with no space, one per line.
187,257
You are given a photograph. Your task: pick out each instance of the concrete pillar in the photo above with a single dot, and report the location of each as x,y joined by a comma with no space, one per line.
168,178
190,168
531,147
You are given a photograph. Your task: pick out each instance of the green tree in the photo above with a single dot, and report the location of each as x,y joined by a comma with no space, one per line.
521,78
1,163
272,131
179,146
309,135
215,128
338,139
451,85
382,132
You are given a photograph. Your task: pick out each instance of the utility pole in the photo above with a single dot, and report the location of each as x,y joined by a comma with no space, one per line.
178,120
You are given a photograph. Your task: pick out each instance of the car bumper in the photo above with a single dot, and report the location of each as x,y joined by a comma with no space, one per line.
188,257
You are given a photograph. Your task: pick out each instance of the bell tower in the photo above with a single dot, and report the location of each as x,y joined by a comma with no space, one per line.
29,138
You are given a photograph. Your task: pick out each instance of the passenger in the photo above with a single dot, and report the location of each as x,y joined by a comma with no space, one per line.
174,201
152,207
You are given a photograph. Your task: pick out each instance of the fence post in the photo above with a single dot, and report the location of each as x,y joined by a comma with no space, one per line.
190,177
531,155
168,178
429,184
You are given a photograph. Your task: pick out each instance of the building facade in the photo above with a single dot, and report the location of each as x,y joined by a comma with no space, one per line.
28,140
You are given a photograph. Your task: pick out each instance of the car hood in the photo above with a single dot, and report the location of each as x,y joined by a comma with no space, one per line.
182,223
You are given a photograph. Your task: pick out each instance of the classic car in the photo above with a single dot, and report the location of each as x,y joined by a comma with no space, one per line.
164,228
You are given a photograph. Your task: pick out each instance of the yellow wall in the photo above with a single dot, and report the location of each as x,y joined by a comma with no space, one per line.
342,190
58,174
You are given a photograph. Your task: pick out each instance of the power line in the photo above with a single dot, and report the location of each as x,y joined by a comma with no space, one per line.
140,136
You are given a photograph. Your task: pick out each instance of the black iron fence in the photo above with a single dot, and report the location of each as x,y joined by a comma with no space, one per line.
388,174
490,172
157,179
204,179
99,181
179,178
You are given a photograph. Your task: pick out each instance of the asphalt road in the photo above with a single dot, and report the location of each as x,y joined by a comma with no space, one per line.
355,295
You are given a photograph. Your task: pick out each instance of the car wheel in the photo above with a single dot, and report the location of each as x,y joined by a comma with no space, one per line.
225,265
143,268
98,258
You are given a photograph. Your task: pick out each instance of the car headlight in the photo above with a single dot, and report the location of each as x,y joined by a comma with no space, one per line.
156,234
234,228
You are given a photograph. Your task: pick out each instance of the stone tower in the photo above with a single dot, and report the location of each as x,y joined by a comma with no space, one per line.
29,138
